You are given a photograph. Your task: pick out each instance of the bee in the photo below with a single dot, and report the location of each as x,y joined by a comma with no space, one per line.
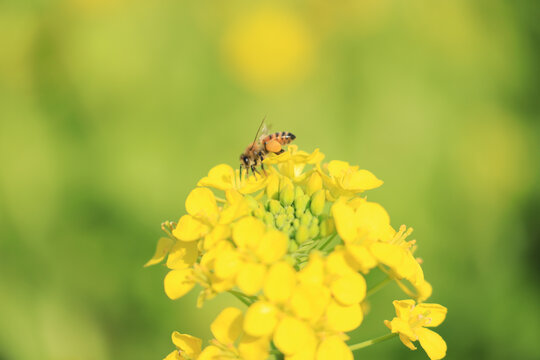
261,146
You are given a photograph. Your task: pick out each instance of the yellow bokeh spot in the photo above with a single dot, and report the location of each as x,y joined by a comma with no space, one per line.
268,47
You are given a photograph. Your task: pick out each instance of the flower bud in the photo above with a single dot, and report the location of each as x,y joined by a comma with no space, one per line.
305,219
296,224
300,204
314,183
298,192
269,219
272,189
253,204
259,212
327,227
286,195
317,202
274,207
313,230
302,234
280,220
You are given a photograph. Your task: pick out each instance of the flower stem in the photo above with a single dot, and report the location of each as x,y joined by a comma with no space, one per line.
325,244
367,343
242,297
378,287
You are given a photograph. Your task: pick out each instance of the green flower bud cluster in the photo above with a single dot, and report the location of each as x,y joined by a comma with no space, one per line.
293,209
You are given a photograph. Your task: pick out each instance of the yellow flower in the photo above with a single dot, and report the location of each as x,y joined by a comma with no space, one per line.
292,162
272,242
411,323
346,180
187,347
223,177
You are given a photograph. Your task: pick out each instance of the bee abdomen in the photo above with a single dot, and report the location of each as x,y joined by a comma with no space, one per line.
283,137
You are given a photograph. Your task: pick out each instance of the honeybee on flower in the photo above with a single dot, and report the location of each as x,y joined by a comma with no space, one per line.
263,145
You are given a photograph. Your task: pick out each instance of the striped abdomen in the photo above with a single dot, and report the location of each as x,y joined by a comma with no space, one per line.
283,137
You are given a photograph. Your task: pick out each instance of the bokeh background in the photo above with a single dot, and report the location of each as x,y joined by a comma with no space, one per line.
111,110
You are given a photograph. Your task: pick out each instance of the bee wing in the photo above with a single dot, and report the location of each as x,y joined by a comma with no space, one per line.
265,130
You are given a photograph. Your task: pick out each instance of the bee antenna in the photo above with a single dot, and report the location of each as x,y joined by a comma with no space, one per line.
259,129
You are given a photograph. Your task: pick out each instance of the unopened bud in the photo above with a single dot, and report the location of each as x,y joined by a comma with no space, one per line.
314,183
286,195
272,189
302,234
274,207
300,204
317,202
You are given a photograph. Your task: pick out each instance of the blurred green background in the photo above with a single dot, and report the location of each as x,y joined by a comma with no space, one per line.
112,110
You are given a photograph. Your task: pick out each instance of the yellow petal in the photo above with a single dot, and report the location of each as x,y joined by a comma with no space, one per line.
250,278
293,336
227,264
220,285
434,312
175,355
254,348
349,289
309,301
403,308
190,345
228,325
210,353
313,272
423,290
361,180
361,258
279,282
403,327
201,203
272,246
373,221
178,283
261,318
333,348
190,229
218,233
248,232
407,342
432,343
343,318
183,255
234,211
163,246
337,168
220,177
337,264
345,221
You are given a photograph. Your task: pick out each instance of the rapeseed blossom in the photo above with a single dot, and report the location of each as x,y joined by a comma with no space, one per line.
294,247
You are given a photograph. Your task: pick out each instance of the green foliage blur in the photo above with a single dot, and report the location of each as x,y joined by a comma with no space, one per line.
110,111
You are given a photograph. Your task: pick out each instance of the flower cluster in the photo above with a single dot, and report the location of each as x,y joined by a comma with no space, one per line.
293,246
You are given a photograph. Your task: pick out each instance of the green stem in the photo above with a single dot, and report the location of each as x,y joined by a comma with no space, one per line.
378,287
242,297
327,242
372,341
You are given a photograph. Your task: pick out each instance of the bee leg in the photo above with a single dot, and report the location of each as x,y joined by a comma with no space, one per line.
280,151
240,171
254,170
262,165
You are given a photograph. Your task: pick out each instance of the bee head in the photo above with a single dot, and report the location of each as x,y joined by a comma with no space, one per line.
244,160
